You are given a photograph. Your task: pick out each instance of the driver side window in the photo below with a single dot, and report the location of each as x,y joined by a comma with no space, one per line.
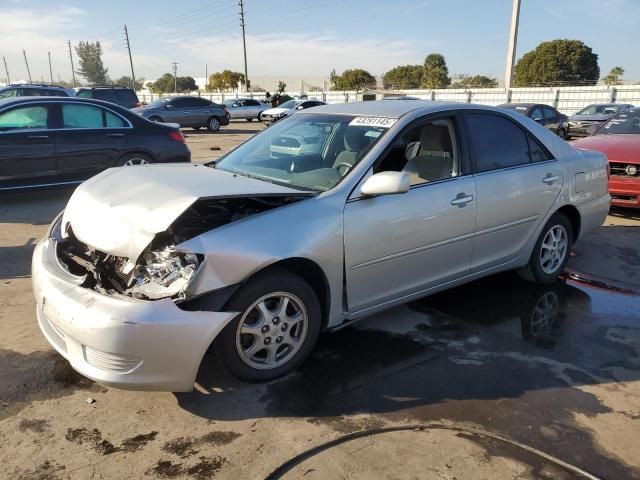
431,153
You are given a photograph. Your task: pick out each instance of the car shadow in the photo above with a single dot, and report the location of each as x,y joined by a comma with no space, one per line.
35,207
629,213
457,356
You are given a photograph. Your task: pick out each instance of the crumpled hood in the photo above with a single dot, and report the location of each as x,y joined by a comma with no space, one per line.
590,118
120,210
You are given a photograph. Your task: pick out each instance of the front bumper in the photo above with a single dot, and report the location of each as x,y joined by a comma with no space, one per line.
625,192
116,340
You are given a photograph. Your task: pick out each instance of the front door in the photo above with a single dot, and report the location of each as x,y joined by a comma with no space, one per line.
90,140
397,245
27,148
517,181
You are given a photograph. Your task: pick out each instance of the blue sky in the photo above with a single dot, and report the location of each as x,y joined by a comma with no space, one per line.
308,38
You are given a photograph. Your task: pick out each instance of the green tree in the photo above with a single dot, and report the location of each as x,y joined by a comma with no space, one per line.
167,84
225,80
281,87
436,73
353,79
613,78
557,62
404,76
125,81
90,61
475,81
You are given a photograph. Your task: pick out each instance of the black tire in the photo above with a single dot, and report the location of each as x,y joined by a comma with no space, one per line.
263,284
213,124
155,119
535,271
134,159
260,117
562,133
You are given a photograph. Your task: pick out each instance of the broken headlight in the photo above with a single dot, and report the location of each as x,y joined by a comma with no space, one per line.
163,273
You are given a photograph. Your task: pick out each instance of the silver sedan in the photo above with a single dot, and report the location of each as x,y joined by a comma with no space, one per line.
327,217
246,109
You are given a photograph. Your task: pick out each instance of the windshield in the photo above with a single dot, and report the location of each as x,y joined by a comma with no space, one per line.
159,103
623,123
609,109
289,104
305,151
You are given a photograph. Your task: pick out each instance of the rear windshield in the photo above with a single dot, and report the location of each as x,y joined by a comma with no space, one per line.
623,123
126,95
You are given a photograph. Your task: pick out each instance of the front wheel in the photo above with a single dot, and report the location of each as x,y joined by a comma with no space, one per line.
133,159
276,330
213,124
551,251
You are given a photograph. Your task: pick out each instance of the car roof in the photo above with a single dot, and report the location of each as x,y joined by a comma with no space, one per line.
31,85
6,102
392,108
102,87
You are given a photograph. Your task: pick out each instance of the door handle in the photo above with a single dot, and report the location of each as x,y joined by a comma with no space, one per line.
115,135
549,179
462,199
39,137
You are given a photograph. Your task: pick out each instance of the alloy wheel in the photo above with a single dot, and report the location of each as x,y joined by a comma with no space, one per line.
136,161
272,330
553,249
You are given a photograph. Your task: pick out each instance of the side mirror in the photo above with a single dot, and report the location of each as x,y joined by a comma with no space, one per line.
168,106
234,105
299,107
537,119
386,183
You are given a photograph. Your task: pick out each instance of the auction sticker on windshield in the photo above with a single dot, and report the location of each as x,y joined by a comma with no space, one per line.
383,122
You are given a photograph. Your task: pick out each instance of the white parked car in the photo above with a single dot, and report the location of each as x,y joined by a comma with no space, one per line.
287,108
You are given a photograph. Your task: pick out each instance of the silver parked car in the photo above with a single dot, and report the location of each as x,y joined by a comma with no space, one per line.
328,216
192,112
246,109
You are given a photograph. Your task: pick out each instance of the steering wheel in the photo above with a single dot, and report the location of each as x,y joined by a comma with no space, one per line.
347,167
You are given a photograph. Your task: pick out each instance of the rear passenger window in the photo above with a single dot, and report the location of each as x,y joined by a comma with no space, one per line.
89,116
496,142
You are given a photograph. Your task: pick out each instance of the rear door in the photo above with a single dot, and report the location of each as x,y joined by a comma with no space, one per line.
252,108
201,110
91,139
517,182
27,149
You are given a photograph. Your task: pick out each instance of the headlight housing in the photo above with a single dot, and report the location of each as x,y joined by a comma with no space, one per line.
164,273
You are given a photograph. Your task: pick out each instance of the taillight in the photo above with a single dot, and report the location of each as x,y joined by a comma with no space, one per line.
176,135
226,111
138,104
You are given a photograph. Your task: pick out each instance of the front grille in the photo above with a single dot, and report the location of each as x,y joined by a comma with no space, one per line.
110,362
619,169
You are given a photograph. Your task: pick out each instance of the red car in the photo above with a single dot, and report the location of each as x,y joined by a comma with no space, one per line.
619,139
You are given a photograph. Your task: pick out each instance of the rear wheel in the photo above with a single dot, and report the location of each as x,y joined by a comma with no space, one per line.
551,251
213,124
277,329
562,133
133,159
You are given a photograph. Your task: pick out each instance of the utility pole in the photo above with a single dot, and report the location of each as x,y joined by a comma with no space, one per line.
175,77
244,44
50,70
513,38
6,69
73,70
133,75
26,62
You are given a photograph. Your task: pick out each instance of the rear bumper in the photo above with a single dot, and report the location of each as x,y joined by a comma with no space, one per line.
116,340
225,120
625,192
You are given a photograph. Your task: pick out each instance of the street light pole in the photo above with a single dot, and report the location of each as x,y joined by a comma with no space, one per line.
175,77
513,38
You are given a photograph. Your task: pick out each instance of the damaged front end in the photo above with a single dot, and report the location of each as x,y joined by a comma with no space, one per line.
161,270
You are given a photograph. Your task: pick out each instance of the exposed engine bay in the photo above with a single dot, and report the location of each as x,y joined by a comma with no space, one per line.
161,271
